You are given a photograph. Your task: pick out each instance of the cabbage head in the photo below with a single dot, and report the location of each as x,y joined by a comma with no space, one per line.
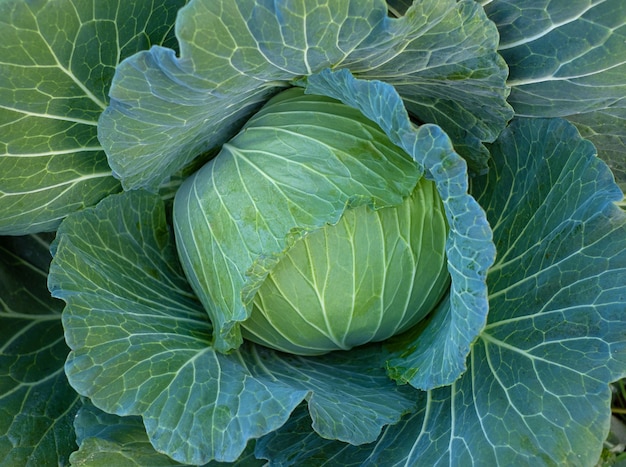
366,269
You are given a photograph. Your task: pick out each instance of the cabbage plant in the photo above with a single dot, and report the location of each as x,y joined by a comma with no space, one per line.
302,232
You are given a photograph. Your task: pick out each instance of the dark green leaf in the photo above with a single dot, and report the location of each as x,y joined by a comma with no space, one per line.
398,7
37,404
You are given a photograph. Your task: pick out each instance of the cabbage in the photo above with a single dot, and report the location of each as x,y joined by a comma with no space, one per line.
195,166
368,265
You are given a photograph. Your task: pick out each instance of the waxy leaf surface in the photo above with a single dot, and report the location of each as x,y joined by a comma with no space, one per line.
435,354
166,110
568,59
108,440
58,59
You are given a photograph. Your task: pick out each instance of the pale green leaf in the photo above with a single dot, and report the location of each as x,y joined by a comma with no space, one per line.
249,204
434,353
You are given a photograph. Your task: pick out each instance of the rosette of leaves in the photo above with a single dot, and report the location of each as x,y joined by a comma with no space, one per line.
511,366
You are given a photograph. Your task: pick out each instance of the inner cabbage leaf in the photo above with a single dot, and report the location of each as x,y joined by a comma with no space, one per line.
372,275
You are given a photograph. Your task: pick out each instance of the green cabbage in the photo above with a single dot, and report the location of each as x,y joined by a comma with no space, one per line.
368,277
512,366
334,238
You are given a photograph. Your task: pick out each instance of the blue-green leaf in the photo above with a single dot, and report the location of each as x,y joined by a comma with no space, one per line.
37,404
58,59
141,346
441,57
568,59
167,110
606,129
538,386
108,440
348,386
434,354
564,57
295,443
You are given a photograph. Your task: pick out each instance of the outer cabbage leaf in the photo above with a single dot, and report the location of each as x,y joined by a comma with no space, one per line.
606,129
58,59
296,444
110,440
435,354
441,57
106,440
37,404
398,7
141,346
537,386
167,110
568,59
564,57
